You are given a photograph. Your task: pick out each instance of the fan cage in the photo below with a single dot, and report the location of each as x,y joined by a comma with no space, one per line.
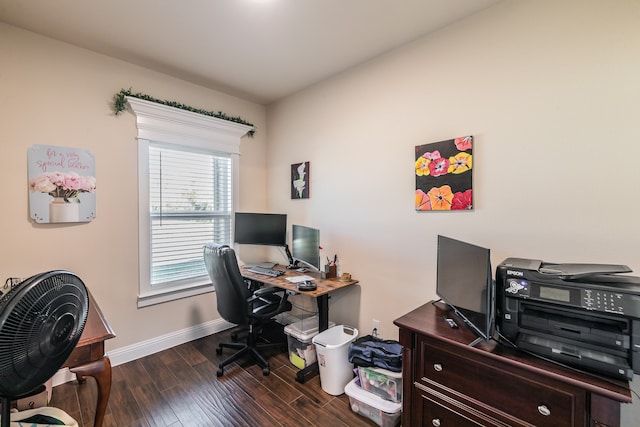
41,321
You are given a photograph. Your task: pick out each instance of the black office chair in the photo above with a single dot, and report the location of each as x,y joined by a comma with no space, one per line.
237,304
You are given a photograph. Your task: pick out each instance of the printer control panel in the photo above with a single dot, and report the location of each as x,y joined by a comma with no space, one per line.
580,297
610,302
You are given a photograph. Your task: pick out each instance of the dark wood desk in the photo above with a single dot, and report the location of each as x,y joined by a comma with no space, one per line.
448,382
88,359
321,294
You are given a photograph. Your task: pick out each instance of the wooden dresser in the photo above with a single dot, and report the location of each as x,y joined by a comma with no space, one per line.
446,382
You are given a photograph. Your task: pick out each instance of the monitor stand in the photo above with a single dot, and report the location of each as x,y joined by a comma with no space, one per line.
293,264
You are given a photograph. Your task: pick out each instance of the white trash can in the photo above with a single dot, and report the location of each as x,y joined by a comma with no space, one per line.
332,348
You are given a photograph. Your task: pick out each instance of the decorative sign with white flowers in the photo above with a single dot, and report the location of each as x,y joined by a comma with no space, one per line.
62,184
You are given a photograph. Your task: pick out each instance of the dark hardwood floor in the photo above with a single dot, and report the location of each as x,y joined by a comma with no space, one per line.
179,387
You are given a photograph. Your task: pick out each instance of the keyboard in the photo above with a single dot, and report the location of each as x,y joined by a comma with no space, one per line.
266,271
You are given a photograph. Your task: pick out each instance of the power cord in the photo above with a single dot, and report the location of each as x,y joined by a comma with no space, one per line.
10,283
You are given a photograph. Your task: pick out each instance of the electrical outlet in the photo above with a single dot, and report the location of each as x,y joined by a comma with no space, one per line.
375,327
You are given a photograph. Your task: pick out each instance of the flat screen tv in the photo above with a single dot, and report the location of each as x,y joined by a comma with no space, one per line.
260,229
465,283
305,245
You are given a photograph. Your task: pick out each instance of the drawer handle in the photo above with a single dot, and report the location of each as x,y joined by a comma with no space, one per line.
544,410
435,422
438,368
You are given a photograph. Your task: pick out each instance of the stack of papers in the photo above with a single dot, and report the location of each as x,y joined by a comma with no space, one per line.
298,279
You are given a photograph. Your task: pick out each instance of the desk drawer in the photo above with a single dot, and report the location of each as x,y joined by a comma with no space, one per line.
79,356
465,375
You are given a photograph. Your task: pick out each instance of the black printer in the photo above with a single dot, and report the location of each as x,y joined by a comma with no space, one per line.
582,315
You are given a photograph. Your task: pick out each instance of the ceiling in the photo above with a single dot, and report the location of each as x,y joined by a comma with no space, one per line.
260,50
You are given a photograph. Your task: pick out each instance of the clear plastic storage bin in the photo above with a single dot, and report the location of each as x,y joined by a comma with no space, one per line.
382,412
302,351
382,382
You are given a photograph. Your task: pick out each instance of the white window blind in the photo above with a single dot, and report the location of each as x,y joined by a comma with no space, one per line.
190,204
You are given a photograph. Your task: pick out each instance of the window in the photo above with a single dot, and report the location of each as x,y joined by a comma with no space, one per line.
190,205
187,179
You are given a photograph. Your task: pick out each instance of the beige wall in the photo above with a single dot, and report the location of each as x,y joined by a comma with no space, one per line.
53,93
550,97
550,92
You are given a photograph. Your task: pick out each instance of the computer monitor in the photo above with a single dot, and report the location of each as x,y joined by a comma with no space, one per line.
305,246
260,229
464,282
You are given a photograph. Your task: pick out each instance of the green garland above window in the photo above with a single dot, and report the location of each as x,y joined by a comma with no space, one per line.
120,104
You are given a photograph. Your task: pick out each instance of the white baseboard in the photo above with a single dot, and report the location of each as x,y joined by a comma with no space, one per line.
154,345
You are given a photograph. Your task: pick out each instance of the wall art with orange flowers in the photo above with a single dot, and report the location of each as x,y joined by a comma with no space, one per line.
444,175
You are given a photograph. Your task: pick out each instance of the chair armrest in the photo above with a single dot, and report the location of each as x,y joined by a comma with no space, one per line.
252,285
267,302
270,290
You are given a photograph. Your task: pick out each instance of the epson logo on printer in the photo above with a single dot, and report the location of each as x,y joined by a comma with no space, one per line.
515,273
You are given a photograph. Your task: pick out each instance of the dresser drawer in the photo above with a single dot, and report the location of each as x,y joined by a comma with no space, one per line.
436,410
469,377
437,415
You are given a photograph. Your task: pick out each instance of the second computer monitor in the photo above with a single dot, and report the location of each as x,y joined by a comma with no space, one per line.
305,247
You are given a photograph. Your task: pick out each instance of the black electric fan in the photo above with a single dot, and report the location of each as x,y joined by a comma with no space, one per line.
41,321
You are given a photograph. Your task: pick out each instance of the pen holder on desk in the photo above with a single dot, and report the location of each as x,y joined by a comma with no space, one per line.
330,271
